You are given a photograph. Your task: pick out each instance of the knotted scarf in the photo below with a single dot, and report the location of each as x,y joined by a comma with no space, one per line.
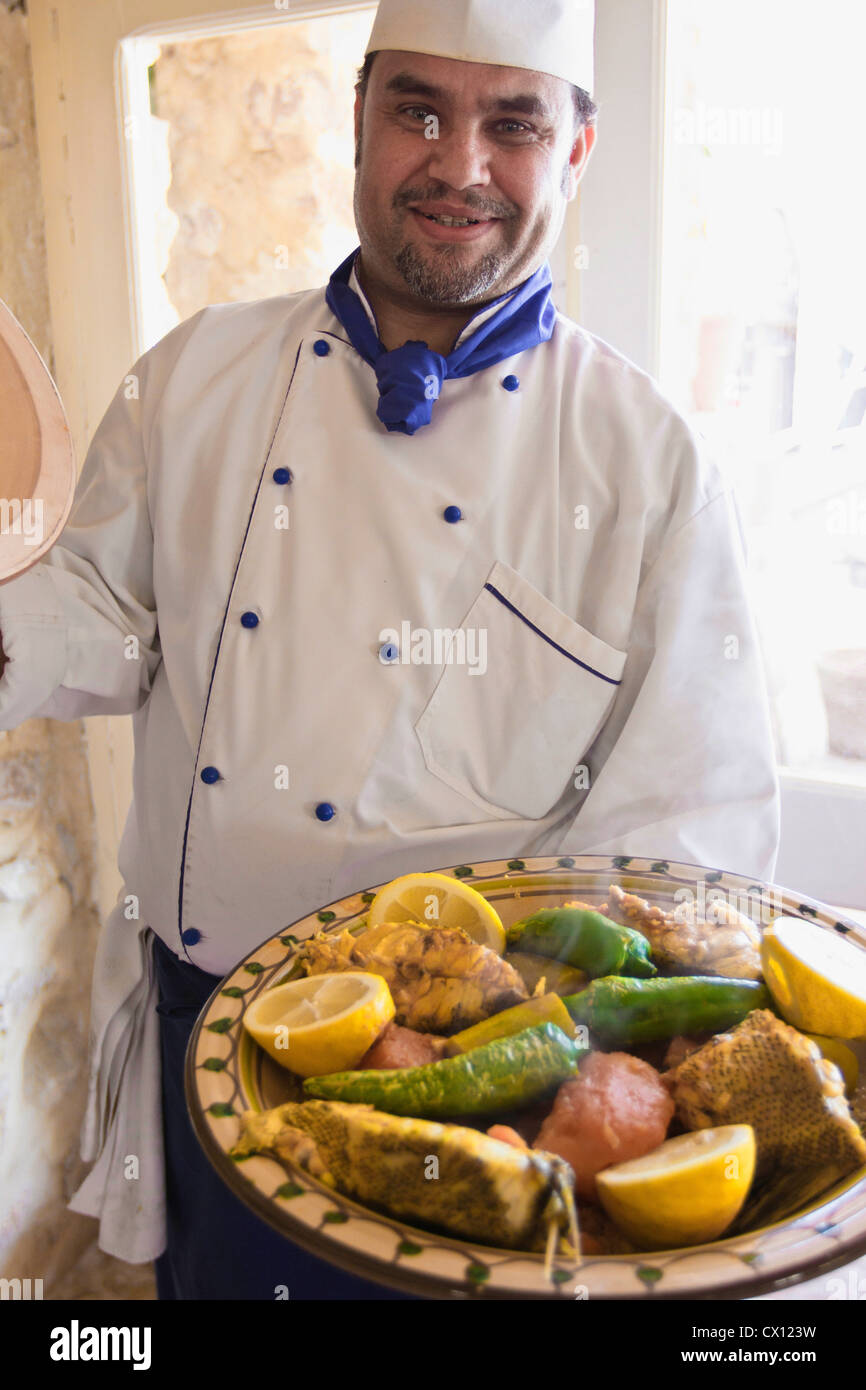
410,377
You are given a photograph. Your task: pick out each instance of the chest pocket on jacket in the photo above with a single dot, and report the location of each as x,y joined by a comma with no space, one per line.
521,700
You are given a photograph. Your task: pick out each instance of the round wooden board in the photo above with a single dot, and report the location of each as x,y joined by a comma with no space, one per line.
37,459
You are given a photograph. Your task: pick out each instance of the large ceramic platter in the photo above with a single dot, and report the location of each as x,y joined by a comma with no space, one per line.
37,460
227,1073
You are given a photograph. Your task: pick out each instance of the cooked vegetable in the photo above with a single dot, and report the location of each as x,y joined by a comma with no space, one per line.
724,942
558,977
617,1108
544,1008
483,1189
506,1135
502,1075
401,1047
440,979
620,1010
679,1048
585,939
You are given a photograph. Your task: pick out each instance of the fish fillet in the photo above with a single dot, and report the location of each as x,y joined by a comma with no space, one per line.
440,979
726,942
443,1174
765,1074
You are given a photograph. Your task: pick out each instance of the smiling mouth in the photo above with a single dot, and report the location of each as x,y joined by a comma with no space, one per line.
445,221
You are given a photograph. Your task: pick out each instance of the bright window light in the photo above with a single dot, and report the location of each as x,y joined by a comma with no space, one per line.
763,332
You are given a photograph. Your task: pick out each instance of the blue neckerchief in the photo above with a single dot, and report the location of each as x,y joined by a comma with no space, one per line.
410,377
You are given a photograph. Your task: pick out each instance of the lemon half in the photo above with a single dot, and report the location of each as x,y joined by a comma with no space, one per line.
685,1192
816,978
322,1023
436,900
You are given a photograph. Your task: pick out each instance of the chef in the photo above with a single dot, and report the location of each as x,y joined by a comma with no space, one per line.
401,572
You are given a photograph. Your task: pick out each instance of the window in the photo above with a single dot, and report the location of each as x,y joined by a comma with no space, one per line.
240,161
763,333
724,218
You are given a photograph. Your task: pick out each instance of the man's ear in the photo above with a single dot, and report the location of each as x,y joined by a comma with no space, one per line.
579,157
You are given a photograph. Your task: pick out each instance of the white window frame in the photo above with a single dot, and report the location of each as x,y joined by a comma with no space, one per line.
621,191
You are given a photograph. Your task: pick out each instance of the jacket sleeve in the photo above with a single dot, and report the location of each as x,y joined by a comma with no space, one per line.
80,627
685,767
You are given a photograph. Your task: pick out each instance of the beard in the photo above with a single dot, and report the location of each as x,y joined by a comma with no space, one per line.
445,278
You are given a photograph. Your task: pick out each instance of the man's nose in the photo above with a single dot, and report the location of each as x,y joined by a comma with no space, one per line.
460,158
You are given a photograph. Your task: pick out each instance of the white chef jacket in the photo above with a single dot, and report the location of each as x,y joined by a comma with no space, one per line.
597,568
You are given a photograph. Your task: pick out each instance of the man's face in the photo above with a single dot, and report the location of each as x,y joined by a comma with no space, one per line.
443,137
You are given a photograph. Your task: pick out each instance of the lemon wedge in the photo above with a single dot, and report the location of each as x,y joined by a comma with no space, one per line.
322,1023
435,900
816,978
685,1192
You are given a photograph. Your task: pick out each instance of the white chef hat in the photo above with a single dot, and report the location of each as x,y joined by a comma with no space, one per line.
552,36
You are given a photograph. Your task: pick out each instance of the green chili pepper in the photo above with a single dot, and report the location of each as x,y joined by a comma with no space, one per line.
585,939
501,1075
623,1011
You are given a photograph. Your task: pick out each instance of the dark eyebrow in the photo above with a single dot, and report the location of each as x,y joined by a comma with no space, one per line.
408,82
525,102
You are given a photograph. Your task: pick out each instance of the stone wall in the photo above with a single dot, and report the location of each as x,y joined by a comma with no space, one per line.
48,932
23,283
48,925
261,151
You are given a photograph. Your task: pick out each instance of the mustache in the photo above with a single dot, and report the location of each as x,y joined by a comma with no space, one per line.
442,194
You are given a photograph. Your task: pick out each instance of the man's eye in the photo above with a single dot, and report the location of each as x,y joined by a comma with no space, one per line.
424,111
522,126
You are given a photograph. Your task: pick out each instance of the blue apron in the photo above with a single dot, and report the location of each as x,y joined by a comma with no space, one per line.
217,1247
